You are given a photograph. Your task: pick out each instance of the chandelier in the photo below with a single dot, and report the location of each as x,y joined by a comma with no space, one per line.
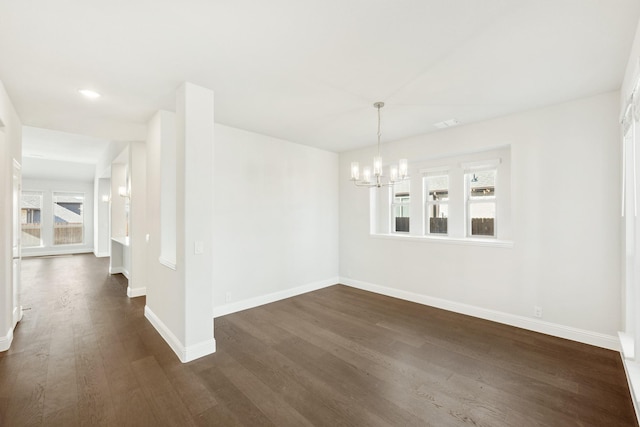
398,172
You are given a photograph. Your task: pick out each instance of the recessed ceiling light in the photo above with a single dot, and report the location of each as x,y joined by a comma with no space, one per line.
89,93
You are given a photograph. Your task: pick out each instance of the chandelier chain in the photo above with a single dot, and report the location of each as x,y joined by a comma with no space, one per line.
379,133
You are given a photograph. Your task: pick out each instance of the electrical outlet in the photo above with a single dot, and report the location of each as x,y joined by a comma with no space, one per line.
227,297
537,311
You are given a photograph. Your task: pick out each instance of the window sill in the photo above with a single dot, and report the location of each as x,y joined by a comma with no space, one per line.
494,243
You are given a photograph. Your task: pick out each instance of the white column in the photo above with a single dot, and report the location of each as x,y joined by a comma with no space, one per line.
194,216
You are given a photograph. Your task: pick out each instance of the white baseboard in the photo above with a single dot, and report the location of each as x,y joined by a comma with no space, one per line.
185,354
580,335
101,254
6,340
631,369
17,315
119,270
136,292
70,251
199,350
234,307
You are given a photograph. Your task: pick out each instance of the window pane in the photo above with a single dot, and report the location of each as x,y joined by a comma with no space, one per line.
438,188
438,217
31,219
400,208
401,218
67,218
483,216
401,191
482,184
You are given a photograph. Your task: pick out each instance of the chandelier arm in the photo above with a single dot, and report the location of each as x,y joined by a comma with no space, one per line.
373,184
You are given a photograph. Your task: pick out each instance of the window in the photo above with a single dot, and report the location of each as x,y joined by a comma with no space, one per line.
68,222
481,202
437,203
400,207
31,219
457,199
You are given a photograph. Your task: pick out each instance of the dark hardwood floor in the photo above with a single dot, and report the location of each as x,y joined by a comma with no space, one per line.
85,355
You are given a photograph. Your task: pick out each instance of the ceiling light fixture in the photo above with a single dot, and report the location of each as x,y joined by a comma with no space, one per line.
396,173
91,94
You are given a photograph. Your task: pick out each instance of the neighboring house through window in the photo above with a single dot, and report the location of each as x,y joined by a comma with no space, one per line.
68,223
31,219
461,198
436,185
481,202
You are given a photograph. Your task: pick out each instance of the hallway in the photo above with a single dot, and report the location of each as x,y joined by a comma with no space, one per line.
76,355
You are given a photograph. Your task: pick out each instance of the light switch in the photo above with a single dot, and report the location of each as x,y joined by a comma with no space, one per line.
198,247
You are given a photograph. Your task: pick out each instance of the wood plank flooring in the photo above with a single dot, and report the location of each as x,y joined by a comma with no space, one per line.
85,355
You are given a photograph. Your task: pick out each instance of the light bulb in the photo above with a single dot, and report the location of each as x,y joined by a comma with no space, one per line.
393,173
366,174
355,171
377,166
403,168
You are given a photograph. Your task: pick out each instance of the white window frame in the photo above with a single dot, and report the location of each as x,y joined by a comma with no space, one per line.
429,204
469,170
382,220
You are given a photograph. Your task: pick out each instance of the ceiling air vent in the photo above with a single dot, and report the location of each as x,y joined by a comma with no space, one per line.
446,124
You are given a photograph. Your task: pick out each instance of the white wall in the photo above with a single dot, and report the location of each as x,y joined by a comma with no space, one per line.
102,186
632,71
565,180
164,295
47,187
101,222
103,165
275,219
137,219
119,205
10,148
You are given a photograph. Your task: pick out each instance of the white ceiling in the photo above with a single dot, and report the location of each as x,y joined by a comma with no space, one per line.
48,154
67,146
308,71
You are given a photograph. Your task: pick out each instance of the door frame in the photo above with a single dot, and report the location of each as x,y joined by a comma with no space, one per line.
16,249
